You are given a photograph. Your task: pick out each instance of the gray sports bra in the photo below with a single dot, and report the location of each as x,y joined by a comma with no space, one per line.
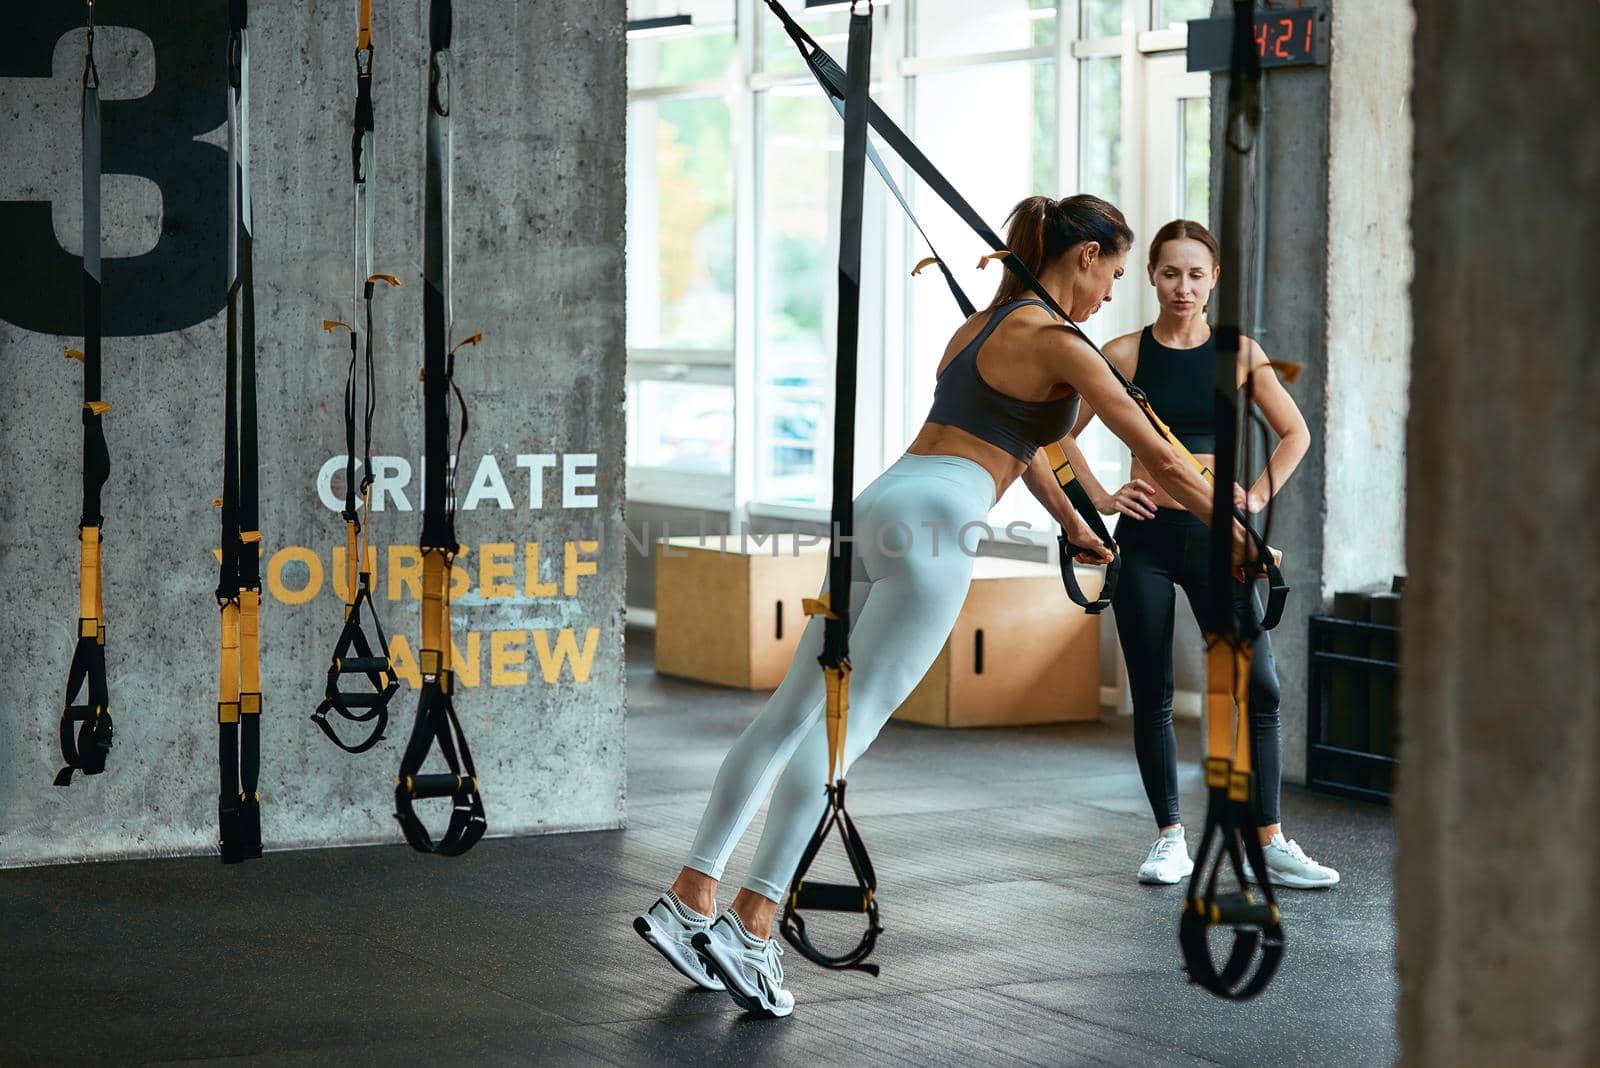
964,400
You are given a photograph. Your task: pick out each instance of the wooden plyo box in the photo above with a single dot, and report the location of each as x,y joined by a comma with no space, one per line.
732,615
1021,653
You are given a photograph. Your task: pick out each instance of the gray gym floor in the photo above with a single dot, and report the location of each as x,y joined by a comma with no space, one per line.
1015,931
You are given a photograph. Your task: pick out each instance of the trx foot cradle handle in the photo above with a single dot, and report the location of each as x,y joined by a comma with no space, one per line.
1069,578
438,785
1240,910
361,665
832,897
364,699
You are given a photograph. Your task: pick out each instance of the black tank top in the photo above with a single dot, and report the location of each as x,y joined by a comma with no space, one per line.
964,400
1181,387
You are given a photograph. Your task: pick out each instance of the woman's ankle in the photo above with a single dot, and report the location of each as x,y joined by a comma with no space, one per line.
756,912
696,890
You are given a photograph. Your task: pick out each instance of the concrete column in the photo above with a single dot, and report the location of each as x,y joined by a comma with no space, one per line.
539,190
1332,213
1498,912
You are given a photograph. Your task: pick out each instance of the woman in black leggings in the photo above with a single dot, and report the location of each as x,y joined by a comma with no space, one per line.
1165,547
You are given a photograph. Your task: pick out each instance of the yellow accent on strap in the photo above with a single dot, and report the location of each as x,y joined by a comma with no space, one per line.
228,666
250,644
817,606
249,537
216,502
1228,713
422,375
89,583
1219,700
250,704
331,325
927,261
837,681
97,407
1287,370
352,542
1056,457
365,543
88,628
984,262
473,340
76,354
391,279
364,32
435,615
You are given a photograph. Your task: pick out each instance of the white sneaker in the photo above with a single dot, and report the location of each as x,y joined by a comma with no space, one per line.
670,926
1168,861
1288,865
749,966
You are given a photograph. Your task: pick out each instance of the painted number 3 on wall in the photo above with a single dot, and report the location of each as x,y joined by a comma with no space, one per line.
175,284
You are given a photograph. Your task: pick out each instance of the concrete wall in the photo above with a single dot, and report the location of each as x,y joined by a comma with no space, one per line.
538,267
1499,922
1336,142
1369,306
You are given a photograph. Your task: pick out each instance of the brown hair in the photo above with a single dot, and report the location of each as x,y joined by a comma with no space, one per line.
1180,230
1042,230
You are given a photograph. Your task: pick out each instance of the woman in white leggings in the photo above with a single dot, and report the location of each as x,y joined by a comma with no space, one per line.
1009,383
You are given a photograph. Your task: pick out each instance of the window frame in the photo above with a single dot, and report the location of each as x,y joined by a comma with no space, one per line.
885,386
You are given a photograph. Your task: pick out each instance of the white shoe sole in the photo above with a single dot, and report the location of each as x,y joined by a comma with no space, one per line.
1150,878
689,963
1296,882
732,976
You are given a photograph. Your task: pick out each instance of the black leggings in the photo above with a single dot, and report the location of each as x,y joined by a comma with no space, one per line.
1157,555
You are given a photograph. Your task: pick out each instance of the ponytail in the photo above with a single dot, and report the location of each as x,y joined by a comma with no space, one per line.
1041,231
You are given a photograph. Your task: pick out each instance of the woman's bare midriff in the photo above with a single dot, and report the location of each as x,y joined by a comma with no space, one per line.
1164,499
937,439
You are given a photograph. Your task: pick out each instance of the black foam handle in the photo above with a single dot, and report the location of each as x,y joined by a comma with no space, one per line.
832,897
439,785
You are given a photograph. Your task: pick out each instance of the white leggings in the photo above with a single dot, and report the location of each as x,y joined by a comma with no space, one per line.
909,580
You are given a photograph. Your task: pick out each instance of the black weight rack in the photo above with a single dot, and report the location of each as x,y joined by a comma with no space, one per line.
1352,726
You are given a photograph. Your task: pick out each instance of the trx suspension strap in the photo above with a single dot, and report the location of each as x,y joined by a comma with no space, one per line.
239,588
1231,815
436,715
86,713
835,607
354,654
832,80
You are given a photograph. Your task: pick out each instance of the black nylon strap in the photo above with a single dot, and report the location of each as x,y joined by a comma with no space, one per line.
353,643
436,721
361,706
85,729
1258,932
861,896
239,743
832,78
1231,818
836,630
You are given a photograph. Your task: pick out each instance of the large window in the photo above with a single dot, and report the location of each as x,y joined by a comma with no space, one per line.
797,289
733,177
681,257
1173,13
680,224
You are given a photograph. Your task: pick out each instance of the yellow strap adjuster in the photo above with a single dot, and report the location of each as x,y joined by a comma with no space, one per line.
391,279
926,262
97,407
817,606
76,354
